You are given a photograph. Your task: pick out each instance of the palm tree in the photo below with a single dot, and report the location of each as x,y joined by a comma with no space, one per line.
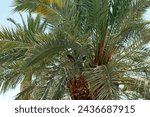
93,47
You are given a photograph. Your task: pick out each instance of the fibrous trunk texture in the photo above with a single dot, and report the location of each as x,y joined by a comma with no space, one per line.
78,88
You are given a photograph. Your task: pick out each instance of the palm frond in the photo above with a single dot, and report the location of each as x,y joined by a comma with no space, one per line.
50,48
11,77
110,33
25,94
101,83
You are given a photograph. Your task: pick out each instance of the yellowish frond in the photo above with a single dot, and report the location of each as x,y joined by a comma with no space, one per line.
44,11
56,2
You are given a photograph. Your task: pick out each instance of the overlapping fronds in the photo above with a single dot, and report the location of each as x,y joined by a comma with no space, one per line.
110,35
102,83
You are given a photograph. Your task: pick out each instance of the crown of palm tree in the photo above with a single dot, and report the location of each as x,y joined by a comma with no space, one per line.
49,50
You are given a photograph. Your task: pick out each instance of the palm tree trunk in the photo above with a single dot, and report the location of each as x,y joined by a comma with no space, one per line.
79,89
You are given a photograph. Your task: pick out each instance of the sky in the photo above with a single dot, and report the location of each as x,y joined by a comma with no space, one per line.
6,12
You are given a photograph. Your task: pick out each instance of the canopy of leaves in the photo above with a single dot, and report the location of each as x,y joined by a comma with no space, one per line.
110,33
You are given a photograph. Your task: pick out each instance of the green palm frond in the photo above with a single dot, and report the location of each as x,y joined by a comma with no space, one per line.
25,94
11,76
110,34
60,90
15,44
102,83
23,33
43,7
50,48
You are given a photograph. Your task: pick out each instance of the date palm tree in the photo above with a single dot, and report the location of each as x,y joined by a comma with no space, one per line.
95,49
